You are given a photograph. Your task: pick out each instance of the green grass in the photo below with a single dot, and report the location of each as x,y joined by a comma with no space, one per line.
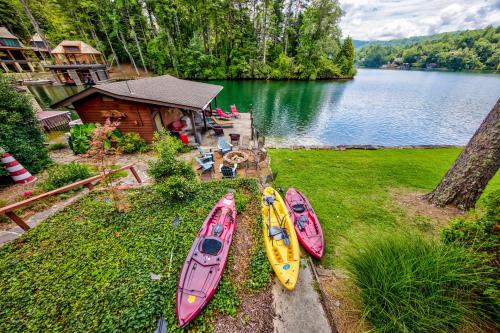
87,269
350,190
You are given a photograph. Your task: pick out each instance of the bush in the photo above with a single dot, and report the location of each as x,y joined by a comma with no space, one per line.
132,142
80,136
64,174
166,146
20,133
482,235
408,284
177,188
56,146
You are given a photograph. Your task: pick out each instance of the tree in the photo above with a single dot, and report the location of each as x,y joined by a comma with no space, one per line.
20,133
465,181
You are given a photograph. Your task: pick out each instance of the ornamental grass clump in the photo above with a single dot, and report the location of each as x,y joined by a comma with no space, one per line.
410,284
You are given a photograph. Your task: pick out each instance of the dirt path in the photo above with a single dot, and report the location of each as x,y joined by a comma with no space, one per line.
255,313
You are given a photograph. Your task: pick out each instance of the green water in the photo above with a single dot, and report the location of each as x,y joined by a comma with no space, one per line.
380,107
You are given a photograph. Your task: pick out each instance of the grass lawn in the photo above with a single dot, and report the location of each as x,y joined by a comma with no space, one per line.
90,268
351,190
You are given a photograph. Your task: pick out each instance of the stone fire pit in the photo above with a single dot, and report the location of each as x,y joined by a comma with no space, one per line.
235,157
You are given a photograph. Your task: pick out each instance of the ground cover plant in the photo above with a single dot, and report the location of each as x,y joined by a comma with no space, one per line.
91,268
351,190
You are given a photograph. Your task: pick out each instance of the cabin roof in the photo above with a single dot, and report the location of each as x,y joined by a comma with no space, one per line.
82,46
164,90
5,33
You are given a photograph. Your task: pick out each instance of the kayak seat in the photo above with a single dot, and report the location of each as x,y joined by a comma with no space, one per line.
299,208
211,246
217,230
302,221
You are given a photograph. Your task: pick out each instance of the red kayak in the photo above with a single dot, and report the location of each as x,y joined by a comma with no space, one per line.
206,260
306,222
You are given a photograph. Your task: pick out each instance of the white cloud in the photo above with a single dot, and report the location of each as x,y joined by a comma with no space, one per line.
389,19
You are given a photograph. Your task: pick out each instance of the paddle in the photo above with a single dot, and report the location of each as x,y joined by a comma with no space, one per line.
161,326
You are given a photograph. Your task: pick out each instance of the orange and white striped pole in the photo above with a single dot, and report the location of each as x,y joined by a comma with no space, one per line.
18,173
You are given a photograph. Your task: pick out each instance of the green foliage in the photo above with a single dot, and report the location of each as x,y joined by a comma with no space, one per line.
177,188
56,146
131,142
64,174
259,275
409,284
198,39
20,133
482,235
465,50
92,262
81,135
166,146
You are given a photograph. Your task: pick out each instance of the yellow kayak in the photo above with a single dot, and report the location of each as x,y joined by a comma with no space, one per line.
280,240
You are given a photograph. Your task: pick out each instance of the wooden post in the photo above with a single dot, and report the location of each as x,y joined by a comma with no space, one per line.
136,175
204,120
18,220
194,128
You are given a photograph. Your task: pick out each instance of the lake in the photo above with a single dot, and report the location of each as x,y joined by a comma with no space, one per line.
378,107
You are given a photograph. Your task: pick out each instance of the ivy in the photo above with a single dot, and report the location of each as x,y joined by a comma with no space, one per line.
88,268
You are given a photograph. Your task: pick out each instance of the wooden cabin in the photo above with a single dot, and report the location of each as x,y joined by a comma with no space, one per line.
147,105
14,56
77,63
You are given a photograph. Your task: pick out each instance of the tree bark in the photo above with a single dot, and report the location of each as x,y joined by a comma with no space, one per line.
465,181
124,43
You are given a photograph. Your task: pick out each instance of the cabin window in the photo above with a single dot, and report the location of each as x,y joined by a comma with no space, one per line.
107,99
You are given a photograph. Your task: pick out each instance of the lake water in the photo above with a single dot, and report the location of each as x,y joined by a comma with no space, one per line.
379,107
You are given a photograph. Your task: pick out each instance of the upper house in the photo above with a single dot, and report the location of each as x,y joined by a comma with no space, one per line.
41,49
14,56
77,63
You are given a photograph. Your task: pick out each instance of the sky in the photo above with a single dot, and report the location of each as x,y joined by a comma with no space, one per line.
390,19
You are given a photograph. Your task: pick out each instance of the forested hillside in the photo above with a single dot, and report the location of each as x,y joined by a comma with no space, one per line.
199,38
464,50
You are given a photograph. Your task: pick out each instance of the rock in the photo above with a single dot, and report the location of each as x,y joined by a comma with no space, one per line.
337,303
155,277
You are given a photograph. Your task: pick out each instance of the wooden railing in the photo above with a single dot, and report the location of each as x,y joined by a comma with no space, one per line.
89,183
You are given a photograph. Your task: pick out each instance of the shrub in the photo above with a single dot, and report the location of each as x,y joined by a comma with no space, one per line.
164,139
80,136
408,284
165,146
132,142
482,235
20,133
177,188
56,146
64,174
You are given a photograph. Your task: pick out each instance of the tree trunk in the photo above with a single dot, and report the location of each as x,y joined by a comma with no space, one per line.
35,25
465,181
285,29
124,43
264,46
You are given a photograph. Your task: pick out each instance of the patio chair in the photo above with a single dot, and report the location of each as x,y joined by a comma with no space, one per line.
224,147
228,172
218,131
205,166
223,114
205,157
234,111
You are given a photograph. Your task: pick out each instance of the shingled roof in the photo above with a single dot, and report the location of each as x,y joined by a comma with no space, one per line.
163,90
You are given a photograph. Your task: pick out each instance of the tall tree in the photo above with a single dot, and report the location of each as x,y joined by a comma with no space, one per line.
465,181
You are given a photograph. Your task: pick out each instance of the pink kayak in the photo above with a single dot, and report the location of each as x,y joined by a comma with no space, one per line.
306,223
206,260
